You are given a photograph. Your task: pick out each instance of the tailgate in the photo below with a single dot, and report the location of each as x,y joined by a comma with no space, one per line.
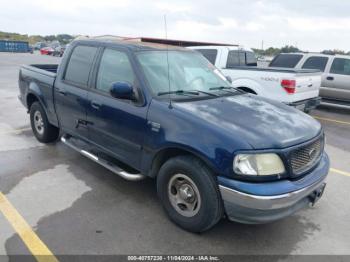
307,82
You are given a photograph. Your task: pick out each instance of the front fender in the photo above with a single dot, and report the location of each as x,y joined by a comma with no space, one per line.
151,157
176,129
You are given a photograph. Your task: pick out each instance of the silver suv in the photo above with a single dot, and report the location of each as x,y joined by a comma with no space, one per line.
335,86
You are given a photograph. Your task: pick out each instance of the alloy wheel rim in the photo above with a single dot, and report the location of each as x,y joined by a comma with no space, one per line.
38,123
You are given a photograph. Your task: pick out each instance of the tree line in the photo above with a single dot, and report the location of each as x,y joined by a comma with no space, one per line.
66,38
32,39
273,51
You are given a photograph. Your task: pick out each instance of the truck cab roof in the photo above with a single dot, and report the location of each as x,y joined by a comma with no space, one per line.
228,47
134,46
307,54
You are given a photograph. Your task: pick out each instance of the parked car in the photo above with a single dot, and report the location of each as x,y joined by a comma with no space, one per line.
213,150
31,49
335,86
63,49
58,51
39,45
298,88
47,50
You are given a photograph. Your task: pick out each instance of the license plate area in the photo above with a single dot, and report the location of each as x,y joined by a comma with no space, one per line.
317,194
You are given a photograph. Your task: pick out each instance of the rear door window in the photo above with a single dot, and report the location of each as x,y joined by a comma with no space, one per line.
341,66
235,58
209,54
286,60
316,62
250,59
80,64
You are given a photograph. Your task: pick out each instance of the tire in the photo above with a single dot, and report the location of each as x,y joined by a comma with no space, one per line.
42,129
193,176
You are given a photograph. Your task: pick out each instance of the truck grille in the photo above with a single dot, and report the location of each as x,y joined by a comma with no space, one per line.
306,157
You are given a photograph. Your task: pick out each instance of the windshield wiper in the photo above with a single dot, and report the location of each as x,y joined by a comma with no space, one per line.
187,92
226,88
206,93
178,92
221,88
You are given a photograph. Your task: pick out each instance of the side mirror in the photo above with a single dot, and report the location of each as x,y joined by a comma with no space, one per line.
229,79
122,90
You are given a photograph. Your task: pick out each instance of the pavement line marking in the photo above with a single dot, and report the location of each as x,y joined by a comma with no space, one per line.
39,250
15,131
340,172
332,120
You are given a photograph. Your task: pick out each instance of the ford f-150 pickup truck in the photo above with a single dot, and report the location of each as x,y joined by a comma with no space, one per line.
335,85
148,110
296,87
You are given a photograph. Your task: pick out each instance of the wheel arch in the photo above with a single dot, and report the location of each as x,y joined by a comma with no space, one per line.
30,99
34,94
247,89
248,85
165,154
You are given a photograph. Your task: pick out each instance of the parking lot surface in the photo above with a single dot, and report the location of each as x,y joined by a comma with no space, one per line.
74,206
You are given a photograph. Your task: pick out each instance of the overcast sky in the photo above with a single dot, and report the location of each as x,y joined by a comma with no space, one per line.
311,25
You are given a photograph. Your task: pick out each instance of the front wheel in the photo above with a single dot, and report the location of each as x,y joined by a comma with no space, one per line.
189,193
42,129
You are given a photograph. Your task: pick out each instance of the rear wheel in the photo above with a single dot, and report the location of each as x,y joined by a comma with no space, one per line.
42,129
189,193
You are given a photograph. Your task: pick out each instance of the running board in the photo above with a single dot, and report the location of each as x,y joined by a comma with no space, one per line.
335,104
110,166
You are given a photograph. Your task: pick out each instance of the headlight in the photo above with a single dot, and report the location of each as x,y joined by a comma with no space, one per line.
258,164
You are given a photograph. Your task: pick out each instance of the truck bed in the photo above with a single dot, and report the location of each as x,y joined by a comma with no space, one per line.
47,69
275,69
43,74
267,82
39,79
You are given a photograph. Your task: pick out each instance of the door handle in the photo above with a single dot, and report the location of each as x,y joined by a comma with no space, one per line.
95,105
330,78
61,91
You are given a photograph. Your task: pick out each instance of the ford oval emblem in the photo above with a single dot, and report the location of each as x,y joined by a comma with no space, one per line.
312,153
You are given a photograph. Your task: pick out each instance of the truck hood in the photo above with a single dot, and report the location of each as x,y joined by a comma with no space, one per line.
261,122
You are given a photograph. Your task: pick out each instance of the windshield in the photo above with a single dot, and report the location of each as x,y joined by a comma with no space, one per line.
188,71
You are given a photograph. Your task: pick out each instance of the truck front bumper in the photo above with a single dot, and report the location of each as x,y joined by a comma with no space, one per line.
258,209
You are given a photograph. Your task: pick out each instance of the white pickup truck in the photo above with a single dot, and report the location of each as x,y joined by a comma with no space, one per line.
295,87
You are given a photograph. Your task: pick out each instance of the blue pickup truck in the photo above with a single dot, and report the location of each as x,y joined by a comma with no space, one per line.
148,110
